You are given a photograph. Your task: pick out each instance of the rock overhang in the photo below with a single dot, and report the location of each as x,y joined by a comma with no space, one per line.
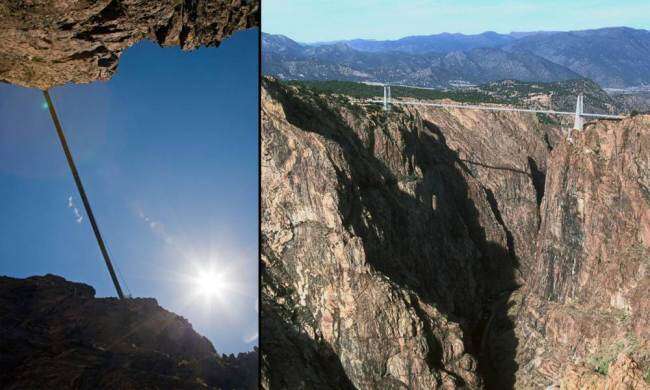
45,43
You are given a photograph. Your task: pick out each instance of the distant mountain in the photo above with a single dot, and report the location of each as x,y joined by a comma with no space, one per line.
439,43
613,57
281,45
288,59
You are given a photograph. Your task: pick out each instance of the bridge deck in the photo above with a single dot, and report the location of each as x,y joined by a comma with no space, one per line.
492,108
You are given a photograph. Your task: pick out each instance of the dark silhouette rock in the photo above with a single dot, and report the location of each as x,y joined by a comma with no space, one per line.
56,334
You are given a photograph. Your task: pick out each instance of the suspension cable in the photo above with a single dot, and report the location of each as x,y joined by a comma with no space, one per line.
82,193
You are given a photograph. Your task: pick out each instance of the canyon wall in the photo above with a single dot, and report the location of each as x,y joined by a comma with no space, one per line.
414,248
586,300
47,43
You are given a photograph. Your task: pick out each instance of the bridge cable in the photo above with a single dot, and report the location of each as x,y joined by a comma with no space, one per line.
82,193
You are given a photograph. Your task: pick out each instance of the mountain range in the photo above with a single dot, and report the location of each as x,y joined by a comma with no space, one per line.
617,57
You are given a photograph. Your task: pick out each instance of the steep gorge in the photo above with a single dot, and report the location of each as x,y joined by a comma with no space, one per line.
409,249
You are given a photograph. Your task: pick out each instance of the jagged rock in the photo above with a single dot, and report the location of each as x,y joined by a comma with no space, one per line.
56,334
46,43
623,374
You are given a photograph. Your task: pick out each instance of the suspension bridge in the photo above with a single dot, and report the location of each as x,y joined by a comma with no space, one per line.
579,115
82,192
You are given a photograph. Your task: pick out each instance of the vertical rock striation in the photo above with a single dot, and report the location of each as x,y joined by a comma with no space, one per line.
586,300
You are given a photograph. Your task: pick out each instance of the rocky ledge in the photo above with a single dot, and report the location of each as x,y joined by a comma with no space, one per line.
56,334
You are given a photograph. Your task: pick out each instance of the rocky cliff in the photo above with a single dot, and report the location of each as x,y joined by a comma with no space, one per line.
586,299
56,334
46,43
415,248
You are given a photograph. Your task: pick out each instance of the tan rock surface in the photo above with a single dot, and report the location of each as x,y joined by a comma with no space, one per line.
45,43
587,297
624,374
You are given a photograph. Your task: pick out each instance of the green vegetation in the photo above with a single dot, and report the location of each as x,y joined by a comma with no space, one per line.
366,91
411,177
557,96
546,119
601,364
602,360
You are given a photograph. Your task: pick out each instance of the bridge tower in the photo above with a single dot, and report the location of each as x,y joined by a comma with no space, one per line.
579,119
386,97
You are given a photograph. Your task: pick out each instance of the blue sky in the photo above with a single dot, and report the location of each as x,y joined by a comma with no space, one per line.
326,20
168,152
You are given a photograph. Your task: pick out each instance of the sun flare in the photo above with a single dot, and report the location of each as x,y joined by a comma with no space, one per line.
208,284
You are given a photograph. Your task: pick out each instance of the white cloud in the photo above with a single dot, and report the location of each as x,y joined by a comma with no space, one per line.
158,228
77,214
249,339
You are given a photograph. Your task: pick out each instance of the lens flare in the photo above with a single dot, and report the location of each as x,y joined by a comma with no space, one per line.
208,284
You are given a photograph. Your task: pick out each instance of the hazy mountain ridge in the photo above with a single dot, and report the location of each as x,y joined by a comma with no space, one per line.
613,57
287,59
441,43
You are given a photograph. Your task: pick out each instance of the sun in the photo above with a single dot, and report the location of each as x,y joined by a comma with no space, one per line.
208,284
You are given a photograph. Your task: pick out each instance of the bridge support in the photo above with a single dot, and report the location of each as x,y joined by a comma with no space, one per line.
386,97
579,121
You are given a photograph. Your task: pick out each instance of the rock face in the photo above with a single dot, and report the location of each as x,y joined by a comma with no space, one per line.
55,334
587,297
46,43
415,248
622,374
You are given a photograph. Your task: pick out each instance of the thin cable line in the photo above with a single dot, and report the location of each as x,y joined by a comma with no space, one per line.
82,193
